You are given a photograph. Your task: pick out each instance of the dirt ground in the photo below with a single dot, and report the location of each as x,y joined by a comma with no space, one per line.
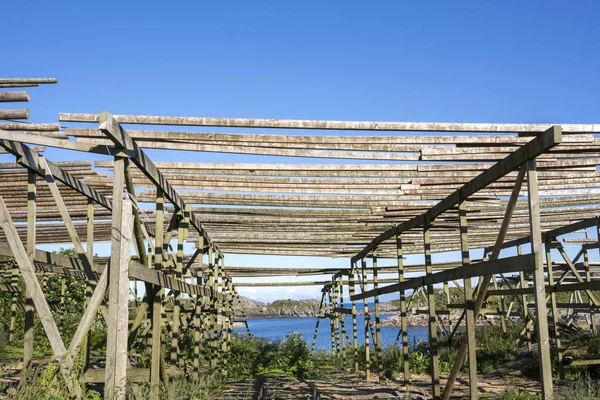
349,386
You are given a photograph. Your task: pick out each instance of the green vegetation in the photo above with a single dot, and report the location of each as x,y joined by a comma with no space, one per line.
519,394
495,348
252,357
582,389
206,387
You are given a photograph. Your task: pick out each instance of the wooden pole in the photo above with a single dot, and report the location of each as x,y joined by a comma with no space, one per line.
312,347
447,298
524,305
335,319
181,237
377,340
88,288
198,313
588,276
156,299
469,306
213,309
13,307
403,311
555,316
343,333
330,312
351,291
363,262
541,311
502,306
221,350
433,340
31,240
118,301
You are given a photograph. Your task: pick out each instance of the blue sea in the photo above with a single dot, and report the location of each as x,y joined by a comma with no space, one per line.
277,328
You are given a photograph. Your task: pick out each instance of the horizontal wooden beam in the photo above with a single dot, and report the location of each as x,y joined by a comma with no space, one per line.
145,274
334,125
503,265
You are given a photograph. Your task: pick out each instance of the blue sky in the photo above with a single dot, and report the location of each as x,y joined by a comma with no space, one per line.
479,61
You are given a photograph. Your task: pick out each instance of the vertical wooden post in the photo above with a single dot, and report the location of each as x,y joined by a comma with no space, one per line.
212,310
334,318
312,347
433,340
63,289
31,240
118,300
343,333
502,305
330,312
156,299
181,237
230,312
555,316
588,277
377,319
352,291
221,352
403,311
198,310
363,262
13,306
539,291
88,287
469,305
447,298
524,304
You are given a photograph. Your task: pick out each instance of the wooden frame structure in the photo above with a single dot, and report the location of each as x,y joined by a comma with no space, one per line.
427,193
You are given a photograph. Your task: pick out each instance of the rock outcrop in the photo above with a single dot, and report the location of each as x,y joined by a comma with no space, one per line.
280,308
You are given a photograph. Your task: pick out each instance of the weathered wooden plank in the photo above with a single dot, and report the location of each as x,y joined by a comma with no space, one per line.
404,140
134,375
336,125
14,114
13,97
27,81
28,126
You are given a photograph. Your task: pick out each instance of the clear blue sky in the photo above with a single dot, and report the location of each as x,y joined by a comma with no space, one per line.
478,61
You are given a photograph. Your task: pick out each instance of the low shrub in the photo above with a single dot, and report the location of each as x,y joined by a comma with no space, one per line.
583,389
251,356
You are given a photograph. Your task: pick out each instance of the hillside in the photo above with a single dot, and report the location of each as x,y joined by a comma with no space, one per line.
280,308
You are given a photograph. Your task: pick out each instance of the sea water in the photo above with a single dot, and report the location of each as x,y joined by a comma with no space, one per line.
277,328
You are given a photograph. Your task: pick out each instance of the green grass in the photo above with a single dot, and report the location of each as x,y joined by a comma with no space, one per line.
519,394
583,389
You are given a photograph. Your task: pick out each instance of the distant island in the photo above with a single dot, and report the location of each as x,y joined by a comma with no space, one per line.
288,308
